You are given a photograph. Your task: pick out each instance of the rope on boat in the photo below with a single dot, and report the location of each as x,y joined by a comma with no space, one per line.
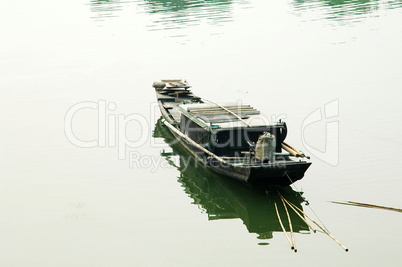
306,201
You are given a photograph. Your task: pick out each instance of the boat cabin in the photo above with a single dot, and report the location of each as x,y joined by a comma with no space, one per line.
224,133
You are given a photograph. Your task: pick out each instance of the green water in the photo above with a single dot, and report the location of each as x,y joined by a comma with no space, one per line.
330,69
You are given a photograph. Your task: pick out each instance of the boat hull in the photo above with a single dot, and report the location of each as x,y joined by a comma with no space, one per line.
264,174
277,174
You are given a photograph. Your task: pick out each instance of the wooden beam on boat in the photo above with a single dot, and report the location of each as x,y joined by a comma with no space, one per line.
171,80
297,151
291,151
228,111
177,93
193,142
175,89
241,157
245,113
176,83
224,111
294,152
169,104
220,116
220,119
216,108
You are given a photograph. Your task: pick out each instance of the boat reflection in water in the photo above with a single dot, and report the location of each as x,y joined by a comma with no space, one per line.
224,198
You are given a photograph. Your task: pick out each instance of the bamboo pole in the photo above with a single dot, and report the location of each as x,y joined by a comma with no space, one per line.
291,151
283,228
227,111
290,225
301,217
325,231
193,143
365,205
297,151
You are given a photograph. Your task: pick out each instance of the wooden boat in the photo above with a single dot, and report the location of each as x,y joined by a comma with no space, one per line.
230,138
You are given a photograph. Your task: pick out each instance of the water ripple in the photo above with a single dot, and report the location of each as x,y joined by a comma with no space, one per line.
173,14
178,14
346,11
103,9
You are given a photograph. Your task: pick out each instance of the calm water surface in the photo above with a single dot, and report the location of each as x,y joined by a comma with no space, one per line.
112,205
